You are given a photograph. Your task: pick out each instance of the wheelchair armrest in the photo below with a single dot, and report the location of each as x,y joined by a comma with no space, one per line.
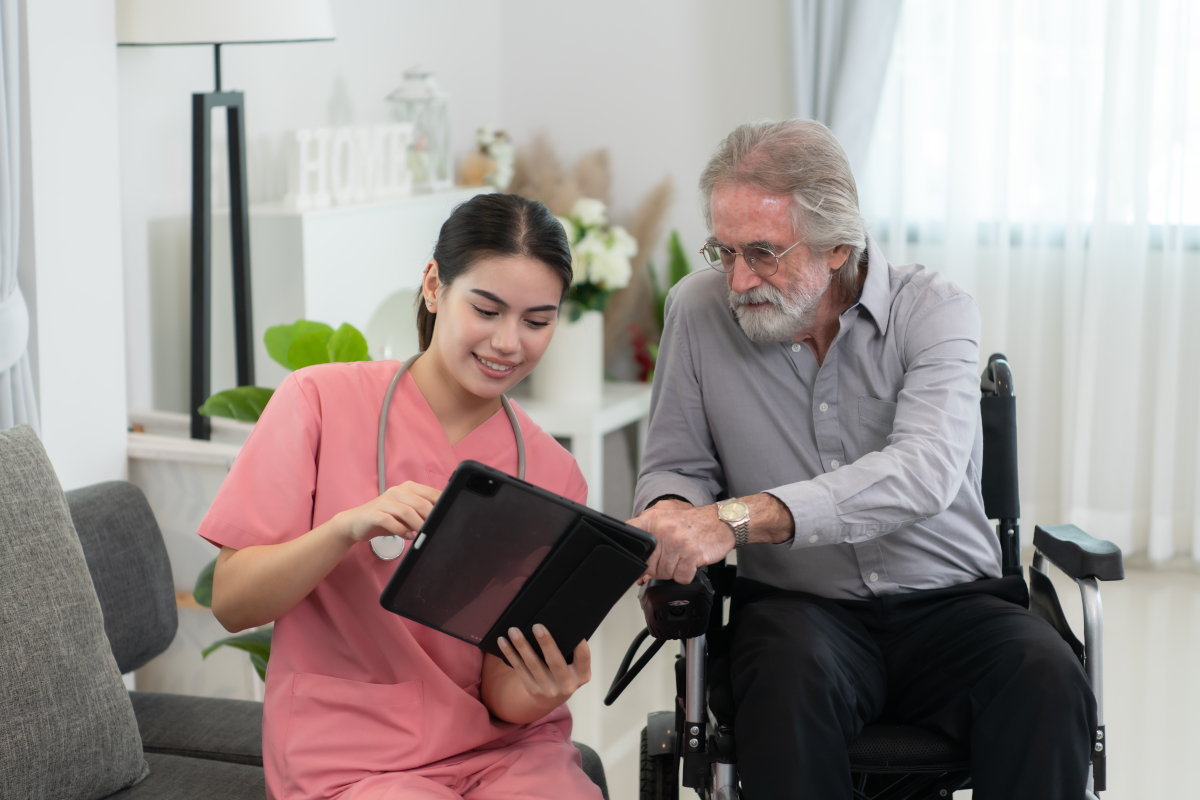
1078,554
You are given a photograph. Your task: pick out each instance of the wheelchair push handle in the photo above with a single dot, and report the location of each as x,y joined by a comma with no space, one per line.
997,378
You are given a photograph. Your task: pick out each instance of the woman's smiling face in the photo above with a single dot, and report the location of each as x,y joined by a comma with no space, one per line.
494,322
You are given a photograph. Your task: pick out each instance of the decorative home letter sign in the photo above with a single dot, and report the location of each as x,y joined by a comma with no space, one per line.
346,165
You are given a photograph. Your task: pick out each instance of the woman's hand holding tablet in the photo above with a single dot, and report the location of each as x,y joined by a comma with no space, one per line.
531,688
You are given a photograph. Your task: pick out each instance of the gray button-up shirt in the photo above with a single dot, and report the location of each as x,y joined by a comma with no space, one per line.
876,451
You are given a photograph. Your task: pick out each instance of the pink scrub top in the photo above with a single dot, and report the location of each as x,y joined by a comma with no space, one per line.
354,690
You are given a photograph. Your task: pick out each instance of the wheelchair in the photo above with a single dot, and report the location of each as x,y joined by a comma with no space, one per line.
888,761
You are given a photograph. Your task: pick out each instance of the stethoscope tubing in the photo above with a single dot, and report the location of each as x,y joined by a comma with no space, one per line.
383,546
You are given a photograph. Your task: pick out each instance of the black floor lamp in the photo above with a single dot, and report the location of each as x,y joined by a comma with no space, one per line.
218,22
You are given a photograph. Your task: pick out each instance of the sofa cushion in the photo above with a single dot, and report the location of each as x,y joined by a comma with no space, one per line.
67,728
130,570
180,778
200,727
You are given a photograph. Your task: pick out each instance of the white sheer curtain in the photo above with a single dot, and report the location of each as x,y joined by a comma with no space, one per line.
17,402
840,51
1046,156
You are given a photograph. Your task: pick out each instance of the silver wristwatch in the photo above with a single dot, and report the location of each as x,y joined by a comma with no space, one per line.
736,515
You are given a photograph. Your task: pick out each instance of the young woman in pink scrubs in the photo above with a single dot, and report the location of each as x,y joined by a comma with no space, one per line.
361,703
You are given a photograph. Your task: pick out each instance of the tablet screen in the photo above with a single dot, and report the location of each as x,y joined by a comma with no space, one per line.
463,585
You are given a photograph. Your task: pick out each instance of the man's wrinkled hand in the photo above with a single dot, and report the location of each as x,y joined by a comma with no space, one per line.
688,538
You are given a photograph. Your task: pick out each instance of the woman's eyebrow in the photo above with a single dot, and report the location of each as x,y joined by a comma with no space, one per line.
499,302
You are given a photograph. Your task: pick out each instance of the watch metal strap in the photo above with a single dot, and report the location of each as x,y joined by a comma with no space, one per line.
741,533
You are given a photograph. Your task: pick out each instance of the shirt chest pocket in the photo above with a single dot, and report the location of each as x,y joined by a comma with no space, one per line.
345,728
875,420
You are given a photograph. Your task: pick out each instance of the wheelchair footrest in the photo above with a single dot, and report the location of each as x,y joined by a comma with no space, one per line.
890,748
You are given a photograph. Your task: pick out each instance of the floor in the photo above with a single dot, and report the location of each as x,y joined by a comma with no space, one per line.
1152,654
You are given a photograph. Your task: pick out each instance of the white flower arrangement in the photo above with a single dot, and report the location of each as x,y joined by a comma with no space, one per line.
600,255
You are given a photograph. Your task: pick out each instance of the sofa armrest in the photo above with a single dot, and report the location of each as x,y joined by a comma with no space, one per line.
200,727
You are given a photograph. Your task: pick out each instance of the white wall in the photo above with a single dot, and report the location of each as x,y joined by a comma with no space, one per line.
287,86
71,241
658,83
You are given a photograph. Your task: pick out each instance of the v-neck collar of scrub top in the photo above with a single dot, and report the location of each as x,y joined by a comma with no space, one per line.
441,458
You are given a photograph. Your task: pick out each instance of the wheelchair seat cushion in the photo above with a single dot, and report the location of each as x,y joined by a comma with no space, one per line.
1078,554
885,747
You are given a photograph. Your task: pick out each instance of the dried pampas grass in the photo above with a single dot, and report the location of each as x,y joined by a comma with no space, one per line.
539,175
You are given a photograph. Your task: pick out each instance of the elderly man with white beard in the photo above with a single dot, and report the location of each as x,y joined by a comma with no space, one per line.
834,400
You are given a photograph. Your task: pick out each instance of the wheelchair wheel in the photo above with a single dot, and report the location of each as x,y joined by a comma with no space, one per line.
660,776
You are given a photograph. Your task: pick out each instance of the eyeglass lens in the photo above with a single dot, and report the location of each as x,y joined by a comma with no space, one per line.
758,259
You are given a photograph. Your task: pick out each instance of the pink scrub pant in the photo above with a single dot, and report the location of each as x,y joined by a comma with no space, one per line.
538,769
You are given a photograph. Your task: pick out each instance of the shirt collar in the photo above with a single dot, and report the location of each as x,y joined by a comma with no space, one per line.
876,294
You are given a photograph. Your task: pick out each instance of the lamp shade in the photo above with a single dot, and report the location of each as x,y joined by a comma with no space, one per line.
157,22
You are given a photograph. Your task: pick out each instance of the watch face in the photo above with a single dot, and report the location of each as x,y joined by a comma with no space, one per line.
731,510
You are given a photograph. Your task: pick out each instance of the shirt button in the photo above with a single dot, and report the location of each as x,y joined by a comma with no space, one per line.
812,539
796,347
824,406
874,577
834,464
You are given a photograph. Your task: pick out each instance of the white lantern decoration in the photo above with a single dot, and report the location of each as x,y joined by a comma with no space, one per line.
420,101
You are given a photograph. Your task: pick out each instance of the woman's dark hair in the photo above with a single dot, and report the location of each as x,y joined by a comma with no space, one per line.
495,225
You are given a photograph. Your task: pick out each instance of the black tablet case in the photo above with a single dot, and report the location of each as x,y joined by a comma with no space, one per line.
570,592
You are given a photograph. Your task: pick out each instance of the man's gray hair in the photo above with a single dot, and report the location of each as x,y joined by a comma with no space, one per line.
801,158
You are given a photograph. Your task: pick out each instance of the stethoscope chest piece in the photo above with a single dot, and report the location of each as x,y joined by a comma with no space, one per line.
389,548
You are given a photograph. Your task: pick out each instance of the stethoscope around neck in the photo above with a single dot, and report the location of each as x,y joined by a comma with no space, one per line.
389,548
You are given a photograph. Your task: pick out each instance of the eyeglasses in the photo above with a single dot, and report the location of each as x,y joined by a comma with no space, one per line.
760,260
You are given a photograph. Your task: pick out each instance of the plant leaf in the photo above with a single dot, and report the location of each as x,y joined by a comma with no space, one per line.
309,348
243,403
678,267
279,338
260,666
347,344
203,591
256,643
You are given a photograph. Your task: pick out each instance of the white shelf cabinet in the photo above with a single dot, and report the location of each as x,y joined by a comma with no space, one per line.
334,265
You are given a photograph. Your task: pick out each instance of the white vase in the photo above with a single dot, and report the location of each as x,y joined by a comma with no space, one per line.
572,369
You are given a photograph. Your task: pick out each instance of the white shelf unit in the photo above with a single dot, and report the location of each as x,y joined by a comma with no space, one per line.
334,265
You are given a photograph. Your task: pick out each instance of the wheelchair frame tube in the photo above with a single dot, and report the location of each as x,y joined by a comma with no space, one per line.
695,713
1093,645
724,781
1093,649
694,695
1093,640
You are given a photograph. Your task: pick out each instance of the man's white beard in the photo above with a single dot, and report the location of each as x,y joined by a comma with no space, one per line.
788,314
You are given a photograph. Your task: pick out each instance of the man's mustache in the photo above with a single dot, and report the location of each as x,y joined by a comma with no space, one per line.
759,294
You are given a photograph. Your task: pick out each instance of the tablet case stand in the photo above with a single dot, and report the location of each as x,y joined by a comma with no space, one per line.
570,592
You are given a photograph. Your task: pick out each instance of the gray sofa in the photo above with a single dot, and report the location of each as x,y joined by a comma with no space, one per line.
195,748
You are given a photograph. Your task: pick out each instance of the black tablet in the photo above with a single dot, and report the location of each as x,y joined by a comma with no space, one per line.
498,552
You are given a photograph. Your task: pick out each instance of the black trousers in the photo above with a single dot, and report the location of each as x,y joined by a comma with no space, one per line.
968,661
